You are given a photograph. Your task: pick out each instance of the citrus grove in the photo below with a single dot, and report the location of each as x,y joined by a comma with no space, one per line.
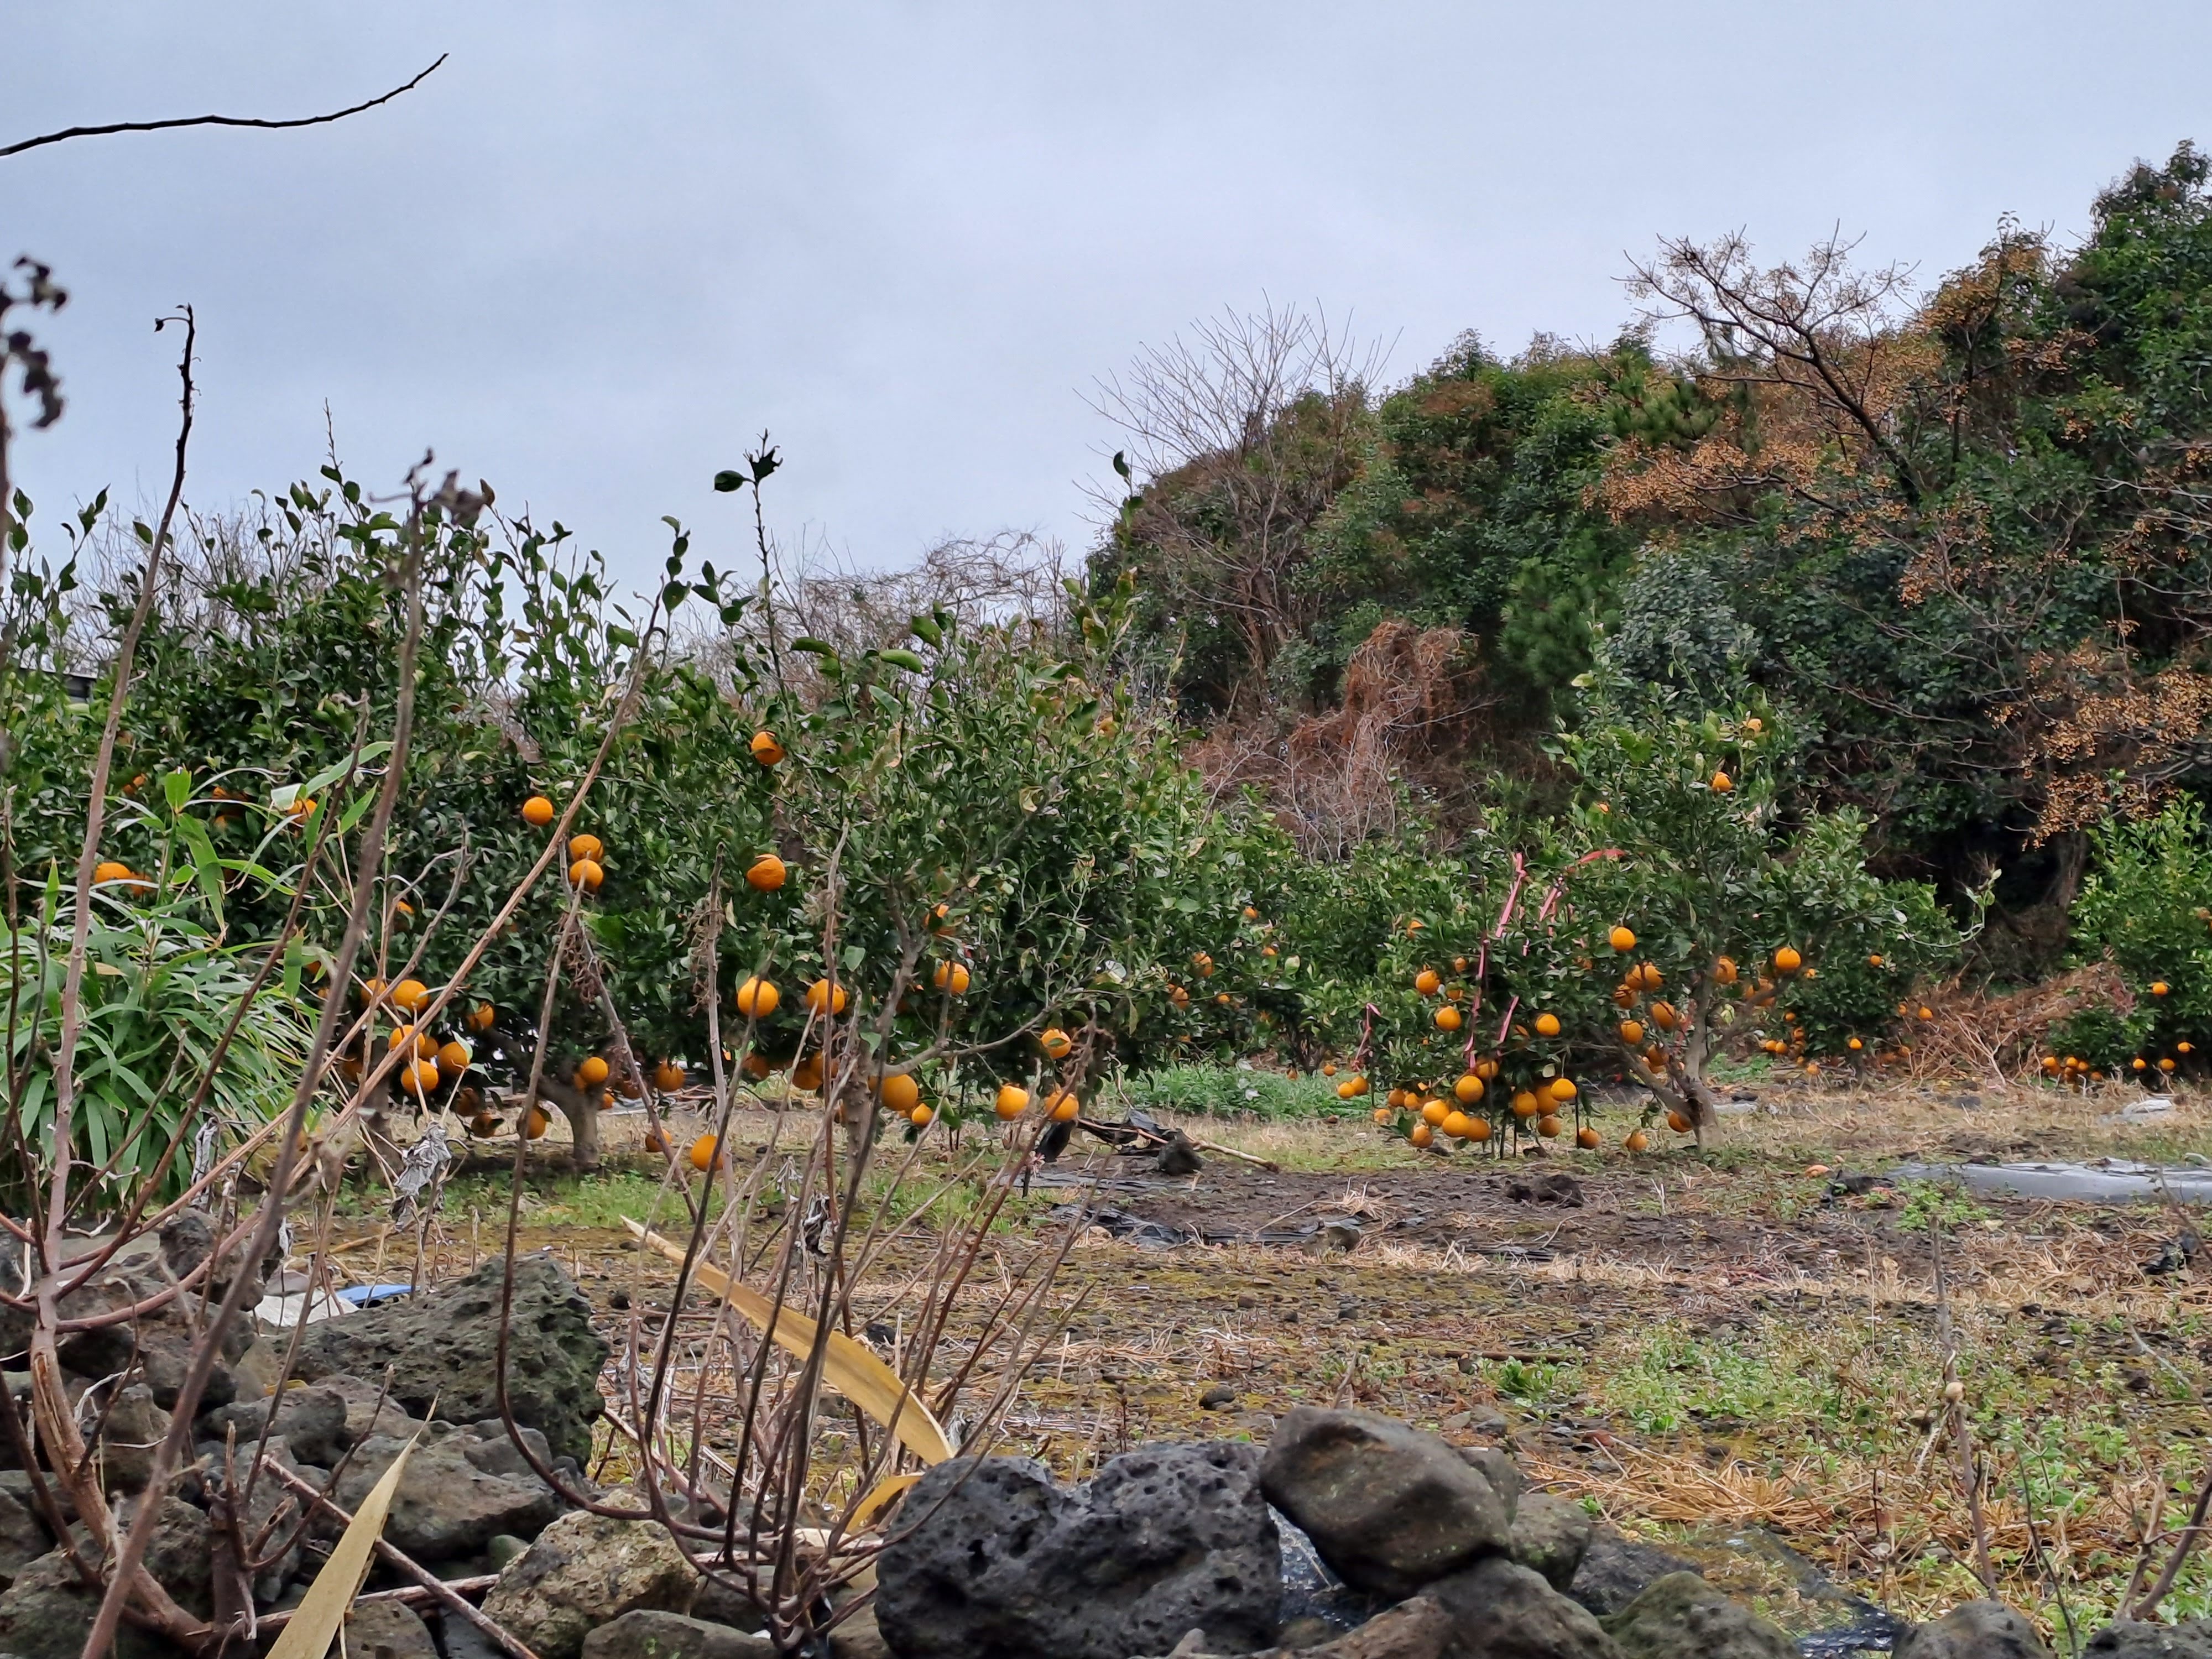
962,875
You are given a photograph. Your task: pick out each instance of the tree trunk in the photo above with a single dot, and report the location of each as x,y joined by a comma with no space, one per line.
581,1108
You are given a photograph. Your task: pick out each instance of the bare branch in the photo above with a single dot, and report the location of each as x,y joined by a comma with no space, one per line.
44,138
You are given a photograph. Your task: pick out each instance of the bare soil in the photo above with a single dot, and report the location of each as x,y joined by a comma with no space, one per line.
1745,1349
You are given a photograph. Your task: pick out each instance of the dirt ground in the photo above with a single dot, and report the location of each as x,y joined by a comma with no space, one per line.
1743,1352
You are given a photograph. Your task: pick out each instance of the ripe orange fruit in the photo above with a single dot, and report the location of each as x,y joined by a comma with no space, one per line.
1012,1100
409,994
766,874
1621,939
1875,961
1064,1106
482,1016
1855,1045
1478,1127
1526,1105
1251,915
757,997
483,1124
1381,1113
1428,981
1448,1018
109,870
586,874
1664,1017
2158,988
421,1042
1624,996
1632,1032
921,1117
1788,960
1563,1088
1926,1012
1469,1089
419,1077
766,749
538,812
454,1056
1548,1126
1586,1137
1547,1025
1055,1042
1455,1124
1352,1087
1421,1134
585,847
1723,783
1724,970
1637,1142
901,1093
807,1074
668,1077
1680,1124
756,1065
2139,1063
823,998
951,976
1203,963
703,1153
590,1072
1486,1069
1435,1111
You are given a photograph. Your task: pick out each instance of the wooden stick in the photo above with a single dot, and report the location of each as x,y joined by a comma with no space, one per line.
412,1595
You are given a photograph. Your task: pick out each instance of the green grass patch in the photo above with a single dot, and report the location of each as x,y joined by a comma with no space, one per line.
1228,1092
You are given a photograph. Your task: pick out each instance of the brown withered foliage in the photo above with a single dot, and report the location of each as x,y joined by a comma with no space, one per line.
1411,700
2110,740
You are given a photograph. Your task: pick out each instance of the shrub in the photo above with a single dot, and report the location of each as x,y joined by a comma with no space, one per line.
2147,906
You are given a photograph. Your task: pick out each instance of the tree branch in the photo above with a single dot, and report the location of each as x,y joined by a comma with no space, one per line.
22,144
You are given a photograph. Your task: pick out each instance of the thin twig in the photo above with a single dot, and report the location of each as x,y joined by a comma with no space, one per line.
262,122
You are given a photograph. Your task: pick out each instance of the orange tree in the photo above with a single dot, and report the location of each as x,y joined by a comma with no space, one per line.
2147,907
1679,905
972,842
1720,903
994,876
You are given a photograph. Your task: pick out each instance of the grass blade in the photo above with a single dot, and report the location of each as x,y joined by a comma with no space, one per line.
330,1598
849,1367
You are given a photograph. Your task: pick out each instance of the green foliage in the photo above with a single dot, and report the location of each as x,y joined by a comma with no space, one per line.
160,989
1472,514
2148,907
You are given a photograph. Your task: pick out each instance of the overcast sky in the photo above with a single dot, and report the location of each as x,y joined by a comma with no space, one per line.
607,243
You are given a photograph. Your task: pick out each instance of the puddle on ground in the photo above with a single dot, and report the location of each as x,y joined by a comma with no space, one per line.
2105,1180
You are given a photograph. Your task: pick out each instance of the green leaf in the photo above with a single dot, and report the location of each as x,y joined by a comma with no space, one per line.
176,789
207,869
906,659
